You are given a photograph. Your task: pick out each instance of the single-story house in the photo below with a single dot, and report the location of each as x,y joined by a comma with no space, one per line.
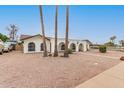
34,44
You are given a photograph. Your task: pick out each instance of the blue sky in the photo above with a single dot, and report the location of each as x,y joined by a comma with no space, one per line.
96,23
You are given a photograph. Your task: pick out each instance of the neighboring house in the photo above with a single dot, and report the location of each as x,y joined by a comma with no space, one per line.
95,46
24,36
33,44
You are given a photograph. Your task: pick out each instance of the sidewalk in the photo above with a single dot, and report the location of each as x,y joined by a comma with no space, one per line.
112,78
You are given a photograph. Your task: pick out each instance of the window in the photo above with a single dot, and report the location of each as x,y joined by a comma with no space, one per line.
41,47
31,46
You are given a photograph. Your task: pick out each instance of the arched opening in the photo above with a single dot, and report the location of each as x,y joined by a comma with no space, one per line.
73,47
31,46
61,46
81,48
41,47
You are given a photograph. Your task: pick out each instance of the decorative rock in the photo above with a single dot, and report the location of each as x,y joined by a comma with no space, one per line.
49,55
95,63
122,58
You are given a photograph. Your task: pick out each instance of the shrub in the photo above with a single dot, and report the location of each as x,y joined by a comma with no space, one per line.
70,51
102,49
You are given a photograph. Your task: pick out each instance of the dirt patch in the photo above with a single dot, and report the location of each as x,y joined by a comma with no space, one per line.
32,70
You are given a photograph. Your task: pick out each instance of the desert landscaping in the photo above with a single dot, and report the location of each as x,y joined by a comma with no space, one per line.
32,70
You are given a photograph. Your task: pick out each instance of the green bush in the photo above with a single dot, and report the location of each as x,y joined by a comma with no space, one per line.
102,49
70,51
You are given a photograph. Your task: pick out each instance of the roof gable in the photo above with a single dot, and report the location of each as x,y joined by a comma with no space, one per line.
34,36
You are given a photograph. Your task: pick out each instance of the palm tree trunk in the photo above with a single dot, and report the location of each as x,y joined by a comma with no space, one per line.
56,30
43,33
66,34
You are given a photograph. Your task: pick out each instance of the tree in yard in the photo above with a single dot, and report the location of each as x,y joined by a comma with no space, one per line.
43,32
4,38
13,29
121,42
56,31
112,39
66,34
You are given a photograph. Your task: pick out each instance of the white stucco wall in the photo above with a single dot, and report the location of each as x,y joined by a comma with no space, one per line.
37,40
76,42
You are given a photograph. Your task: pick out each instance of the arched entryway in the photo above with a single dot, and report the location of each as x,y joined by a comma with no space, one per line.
61,46
73,47
80,48
31,46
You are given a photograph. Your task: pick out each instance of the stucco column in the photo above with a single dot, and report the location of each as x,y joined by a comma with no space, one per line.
85,47
77,47
88,47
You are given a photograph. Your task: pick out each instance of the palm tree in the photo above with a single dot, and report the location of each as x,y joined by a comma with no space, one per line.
66,34
43,33
56,29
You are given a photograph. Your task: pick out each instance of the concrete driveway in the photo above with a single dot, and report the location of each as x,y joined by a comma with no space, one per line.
112,78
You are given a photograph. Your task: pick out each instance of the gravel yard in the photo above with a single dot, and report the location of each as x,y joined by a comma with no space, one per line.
33,71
